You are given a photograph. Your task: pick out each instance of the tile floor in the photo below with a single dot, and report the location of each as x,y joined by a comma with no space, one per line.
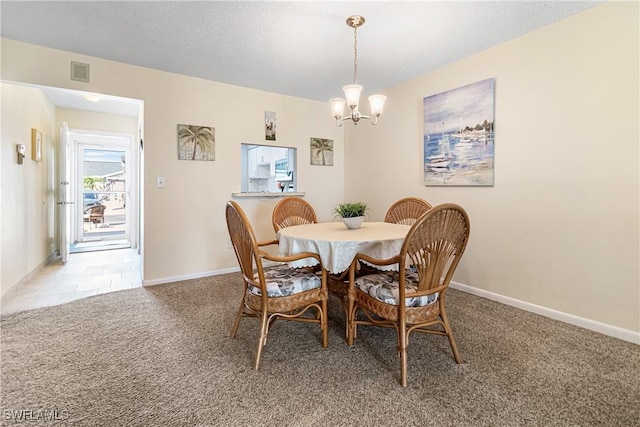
85,274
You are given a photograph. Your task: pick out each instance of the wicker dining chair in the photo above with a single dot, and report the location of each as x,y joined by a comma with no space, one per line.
407,210
413,298
292,211
279,292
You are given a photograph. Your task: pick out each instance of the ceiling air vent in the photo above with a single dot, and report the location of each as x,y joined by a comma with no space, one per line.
80,72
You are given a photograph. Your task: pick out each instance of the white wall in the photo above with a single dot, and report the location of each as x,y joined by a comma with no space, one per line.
27,199
560,227
91,120
185,233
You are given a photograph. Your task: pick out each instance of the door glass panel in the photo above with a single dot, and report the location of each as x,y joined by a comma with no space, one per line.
104,194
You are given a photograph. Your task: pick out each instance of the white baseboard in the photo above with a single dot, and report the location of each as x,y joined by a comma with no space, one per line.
200,275
603,328
189,276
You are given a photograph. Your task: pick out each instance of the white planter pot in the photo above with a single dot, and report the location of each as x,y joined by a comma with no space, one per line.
353,223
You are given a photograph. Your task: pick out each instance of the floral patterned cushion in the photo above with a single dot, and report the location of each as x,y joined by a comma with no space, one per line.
283,281
384,287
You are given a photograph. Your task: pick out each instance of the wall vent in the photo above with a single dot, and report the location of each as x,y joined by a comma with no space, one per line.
79,72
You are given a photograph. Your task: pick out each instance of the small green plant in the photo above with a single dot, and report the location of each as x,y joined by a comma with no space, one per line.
350,210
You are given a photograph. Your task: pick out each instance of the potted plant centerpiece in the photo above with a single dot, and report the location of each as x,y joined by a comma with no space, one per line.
352,213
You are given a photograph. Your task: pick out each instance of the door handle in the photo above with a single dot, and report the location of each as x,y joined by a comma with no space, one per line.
65,203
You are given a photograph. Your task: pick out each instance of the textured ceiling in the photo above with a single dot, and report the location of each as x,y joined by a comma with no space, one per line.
303,49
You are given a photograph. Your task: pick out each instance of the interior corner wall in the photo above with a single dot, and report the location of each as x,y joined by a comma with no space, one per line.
184,228
560,227
27,198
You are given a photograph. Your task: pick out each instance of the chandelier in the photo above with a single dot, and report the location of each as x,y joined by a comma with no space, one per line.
352,92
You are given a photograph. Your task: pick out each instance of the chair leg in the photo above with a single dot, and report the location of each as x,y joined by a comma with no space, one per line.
354,332
343,301
324,321
262,340
352,306
452,340
351,327
345,308
402,350
454,348
449,332
236,323
324,324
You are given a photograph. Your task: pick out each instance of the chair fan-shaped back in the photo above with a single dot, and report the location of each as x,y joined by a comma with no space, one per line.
292,211
407,211
436,243
242,237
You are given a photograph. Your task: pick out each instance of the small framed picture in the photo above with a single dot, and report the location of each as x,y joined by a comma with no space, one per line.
321,151
36,145
196,142
269,125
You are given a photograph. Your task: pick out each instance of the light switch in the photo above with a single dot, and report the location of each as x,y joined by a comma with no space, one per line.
160,182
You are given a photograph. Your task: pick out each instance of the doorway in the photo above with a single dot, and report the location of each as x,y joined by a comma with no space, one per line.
103,173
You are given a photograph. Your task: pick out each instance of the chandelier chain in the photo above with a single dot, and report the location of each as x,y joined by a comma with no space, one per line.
355,55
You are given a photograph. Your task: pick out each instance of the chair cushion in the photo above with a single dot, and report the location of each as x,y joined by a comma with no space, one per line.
383,286
283,281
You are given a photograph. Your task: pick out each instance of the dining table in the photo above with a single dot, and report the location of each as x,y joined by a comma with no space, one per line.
338,245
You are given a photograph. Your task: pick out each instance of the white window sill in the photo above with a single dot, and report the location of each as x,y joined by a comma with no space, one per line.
270,195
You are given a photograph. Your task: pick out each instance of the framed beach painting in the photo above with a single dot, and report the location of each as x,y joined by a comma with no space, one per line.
196,143
459,137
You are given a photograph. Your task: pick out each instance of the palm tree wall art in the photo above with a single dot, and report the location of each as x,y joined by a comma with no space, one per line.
321,152
196,142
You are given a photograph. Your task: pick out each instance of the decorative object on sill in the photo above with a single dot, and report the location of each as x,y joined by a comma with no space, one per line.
36,145
458,136
196,143
352,92
321,151
269,125
352,213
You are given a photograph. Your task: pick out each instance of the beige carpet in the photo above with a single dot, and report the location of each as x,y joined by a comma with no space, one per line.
161,356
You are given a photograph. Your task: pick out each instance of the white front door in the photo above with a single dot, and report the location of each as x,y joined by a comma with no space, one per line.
102,181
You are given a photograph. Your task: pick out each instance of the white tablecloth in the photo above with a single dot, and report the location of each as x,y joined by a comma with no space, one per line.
337,245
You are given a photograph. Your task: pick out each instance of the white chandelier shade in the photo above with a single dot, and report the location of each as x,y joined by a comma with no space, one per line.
377,104
352,93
